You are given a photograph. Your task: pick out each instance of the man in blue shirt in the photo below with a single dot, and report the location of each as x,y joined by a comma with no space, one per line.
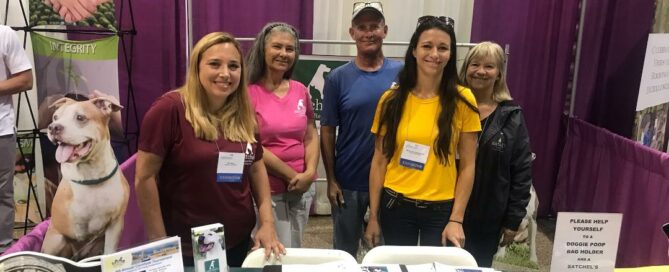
351,93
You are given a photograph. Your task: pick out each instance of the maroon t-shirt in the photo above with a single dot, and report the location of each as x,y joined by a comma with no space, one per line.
189,193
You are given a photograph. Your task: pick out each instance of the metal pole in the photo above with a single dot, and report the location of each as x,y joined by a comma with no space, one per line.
244,39
506,63
189,28
577,60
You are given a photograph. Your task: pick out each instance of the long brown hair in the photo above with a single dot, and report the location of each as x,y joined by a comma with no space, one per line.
392,108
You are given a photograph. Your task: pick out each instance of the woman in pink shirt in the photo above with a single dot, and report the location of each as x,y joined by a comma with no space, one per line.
287,129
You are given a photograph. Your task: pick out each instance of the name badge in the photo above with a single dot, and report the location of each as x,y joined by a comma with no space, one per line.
414,155
230,167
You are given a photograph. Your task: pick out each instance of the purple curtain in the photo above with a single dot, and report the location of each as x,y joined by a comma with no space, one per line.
613,48
159,62
246,18
603,172
541,35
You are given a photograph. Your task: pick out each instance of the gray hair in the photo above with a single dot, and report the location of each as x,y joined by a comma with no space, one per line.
256,57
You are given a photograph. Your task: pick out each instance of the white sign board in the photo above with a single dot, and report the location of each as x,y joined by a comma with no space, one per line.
654,88
586,241
159,256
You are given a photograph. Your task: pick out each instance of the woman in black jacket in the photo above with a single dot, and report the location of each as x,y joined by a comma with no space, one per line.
503,162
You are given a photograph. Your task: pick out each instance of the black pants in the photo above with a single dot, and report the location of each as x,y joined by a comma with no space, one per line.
403,223
482,245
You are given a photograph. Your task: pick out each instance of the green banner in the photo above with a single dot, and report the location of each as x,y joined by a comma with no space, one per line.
102,49
78,70
312,73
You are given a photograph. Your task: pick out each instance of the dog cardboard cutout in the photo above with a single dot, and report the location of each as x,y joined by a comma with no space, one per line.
90,203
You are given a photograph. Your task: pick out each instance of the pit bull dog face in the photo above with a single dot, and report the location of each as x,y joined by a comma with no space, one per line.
78,127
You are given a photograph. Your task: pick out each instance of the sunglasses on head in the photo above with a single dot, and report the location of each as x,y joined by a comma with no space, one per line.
441,19
361,5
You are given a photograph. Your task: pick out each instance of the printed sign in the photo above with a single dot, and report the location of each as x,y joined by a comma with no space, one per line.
79,70
312,71
586,241
654,88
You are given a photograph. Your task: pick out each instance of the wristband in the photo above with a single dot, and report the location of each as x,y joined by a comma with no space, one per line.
454,221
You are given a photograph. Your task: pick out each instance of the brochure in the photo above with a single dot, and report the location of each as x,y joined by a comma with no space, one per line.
209,248
159,256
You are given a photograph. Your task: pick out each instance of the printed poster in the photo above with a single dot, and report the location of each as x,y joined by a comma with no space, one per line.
78,70
312,71
86,13
650,121
650,126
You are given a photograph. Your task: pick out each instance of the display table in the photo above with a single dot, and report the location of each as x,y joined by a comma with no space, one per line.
239,269
661,268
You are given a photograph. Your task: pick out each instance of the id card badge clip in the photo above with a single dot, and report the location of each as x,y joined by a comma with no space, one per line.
230,167
414,155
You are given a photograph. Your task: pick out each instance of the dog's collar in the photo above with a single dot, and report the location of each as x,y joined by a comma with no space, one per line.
97,180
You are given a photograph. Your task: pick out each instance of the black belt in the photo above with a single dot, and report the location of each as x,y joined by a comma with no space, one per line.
421,204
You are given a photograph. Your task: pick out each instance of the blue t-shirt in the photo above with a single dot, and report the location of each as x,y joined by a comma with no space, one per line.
349,102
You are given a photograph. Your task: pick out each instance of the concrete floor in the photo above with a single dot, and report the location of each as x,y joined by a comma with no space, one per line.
319,235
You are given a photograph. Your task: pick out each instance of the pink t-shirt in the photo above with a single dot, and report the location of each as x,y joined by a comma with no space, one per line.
283,125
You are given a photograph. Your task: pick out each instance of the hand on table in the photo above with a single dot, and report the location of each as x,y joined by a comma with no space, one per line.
453,233
266,237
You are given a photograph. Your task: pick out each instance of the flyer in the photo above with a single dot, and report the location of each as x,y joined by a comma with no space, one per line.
159,256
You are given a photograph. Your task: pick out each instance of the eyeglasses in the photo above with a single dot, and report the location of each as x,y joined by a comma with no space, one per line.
357,6
441,19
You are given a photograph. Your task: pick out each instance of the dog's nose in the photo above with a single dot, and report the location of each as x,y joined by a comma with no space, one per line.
55,128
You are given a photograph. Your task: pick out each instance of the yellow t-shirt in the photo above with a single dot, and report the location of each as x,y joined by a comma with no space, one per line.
419,125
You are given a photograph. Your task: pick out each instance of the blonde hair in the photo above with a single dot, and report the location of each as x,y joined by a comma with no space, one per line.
236,118
482,50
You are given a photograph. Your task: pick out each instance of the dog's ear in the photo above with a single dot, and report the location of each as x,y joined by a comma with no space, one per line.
106,104
60,102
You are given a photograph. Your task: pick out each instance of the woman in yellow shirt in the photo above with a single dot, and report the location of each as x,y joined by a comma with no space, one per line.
416,192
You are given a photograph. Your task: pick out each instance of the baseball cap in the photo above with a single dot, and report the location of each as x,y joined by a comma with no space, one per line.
359,7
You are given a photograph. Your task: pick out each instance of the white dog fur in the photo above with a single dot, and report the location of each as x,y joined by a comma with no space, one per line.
527,231
210,245
93,193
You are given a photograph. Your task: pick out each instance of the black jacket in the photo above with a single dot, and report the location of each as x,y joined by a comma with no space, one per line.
503,178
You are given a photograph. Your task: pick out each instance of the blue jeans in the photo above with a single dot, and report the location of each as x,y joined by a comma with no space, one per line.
404,223
348,221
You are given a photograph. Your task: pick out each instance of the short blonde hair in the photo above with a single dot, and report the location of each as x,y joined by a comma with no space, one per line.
236,119
500,90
